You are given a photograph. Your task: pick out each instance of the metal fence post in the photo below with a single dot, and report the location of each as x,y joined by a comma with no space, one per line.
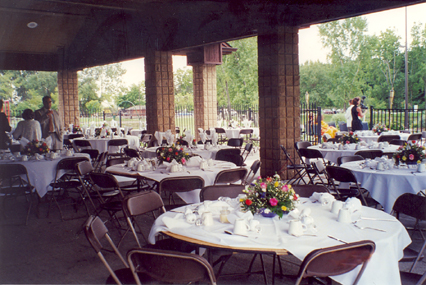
318,131
103,115
119,114
371,117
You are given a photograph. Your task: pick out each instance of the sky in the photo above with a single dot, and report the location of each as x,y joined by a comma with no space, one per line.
310,47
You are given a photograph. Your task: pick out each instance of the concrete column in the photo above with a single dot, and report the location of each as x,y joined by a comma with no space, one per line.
160,104
68,97
205,96
279,97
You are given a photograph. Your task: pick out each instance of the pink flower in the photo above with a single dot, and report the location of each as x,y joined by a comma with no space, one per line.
411,157
348,142
285,188
273,201
170,150
183,160
263,185
260,177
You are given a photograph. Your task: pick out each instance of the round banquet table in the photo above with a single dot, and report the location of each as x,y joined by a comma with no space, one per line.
42,172
199,150
274,238
386,186
208,174
369,136
102,144
332,154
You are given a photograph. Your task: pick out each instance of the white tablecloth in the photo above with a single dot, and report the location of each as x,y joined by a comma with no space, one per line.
386,186
204,153
369,136
382,268
333,154
102,144
42,172
209,175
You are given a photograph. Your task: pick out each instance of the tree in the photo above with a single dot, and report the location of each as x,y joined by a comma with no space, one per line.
418,65
346,40
239,72
184,88
134,96
315,79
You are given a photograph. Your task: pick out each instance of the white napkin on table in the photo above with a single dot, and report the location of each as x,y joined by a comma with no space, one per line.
323,198
248,216
159,136
177,221
353,204
194,161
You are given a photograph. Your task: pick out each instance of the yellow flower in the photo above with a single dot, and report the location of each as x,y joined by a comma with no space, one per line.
404,158
284,208
276,184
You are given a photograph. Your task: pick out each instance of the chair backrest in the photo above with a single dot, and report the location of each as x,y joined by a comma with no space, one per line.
68,164
343,127
286,155
231,176
180,184
230,155
306,191
170,266
337,260
414,137
139,204
83,168
105,181
115,161
117,142
130,152
412,205
100,162
300,145
340,174
82,143
388,138
348,158
220,131
96,231
74,136
247,149
398,142
246,131
373,153
310,153
7,171
254,168
213,192
236,142
94,153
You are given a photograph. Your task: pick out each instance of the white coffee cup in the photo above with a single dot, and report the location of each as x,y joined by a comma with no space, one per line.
296,228
344,216
24,158
207,219
337,205
141,167
255,226
241,227
307,220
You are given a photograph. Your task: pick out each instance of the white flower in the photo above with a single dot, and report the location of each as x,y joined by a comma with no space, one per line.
266,211
277,176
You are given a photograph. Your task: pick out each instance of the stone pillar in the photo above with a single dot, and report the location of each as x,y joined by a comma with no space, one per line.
68,104
160,101
205,96
279,99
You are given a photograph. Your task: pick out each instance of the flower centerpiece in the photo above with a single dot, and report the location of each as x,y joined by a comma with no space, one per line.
379,129
181,140
76,129
410,153
269,195
169,153
36,146
349,138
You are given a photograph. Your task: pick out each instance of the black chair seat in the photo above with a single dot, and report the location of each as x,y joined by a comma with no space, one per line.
66,184
113,206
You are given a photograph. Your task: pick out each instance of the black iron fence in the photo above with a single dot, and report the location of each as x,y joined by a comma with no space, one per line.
310,130
412,120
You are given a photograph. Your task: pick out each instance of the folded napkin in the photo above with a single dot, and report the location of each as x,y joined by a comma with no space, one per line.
323,198
159,137
194,161
177,221
353,204
48,141
248,216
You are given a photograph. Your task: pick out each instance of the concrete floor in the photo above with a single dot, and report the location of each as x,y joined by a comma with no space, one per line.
51,251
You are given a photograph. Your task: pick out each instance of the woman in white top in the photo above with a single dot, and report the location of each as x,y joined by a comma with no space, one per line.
29,128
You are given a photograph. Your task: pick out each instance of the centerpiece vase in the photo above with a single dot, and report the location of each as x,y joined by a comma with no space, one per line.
269,214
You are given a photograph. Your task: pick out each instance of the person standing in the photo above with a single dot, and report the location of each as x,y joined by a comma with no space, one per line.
348,115
356,114
50,122
29,128
4,127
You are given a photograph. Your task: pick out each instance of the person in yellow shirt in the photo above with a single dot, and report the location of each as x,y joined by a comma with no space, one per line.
326,130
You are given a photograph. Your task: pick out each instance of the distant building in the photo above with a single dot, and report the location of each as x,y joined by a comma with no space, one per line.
136,111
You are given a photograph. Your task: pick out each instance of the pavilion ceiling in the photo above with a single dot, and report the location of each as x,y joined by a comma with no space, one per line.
75,34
